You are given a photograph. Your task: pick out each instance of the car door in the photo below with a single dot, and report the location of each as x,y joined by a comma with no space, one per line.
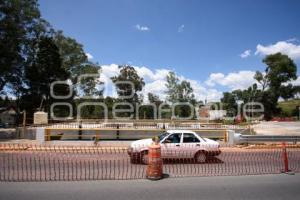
170,146
190,145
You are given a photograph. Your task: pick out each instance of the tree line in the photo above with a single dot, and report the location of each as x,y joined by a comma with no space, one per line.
272,85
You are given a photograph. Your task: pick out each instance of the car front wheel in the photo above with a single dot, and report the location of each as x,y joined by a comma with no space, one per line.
144,157
134,160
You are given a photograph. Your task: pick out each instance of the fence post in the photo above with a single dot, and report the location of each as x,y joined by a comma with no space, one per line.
226,136
118,132
80,131
285,160
48,134
96,137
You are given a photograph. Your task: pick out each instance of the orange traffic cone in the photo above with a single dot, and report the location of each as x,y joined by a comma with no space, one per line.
154,168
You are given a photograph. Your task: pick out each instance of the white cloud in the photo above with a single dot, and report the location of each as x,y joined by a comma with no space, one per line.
295,82
246,54
155,83
154,79
89,56
142,28
235,80
284,47
108,71
292,40
180,28
157,87
215,78
203,93
148,74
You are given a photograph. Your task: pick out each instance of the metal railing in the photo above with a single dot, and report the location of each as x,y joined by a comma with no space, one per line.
98,134
154,124
74,163
239,138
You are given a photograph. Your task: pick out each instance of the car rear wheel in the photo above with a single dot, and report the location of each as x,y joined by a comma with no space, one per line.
200,157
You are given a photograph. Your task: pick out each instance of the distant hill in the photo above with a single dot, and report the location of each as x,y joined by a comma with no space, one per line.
289,107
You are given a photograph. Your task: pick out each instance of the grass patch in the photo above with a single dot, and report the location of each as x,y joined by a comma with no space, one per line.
289,108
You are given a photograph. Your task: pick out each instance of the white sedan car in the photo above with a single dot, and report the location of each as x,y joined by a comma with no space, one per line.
176,144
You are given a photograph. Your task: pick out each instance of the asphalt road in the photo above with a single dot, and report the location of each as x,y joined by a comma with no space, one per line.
239,187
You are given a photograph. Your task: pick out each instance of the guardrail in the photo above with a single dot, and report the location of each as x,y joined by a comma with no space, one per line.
240,139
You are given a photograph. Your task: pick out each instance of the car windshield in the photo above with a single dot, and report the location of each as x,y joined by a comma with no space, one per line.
202,138
162,136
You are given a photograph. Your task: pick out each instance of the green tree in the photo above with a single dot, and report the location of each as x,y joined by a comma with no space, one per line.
186,92
74,60
109,102
229,103
90,85
46,70
18,18
274,84
72,54
19,22
128,83
279,71
172,87
152,98
148,111
22,33
180,92
129,74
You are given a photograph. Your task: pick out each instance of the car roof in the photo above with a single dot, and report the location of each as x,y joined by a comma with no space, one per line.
180,131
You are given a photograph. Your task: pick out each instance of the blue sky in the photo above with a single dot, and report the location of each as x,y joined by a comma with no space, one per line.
194,38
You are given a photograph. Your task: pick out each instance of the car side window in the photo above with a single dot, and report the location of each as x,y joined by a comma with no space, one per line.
174,138
190,138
